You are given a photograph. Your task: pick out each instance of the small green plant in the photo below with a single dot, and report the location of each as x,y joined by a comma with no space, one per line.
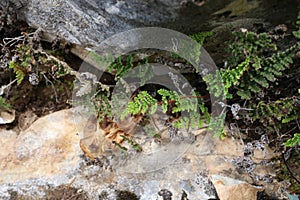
293,141
217,126
250,69
229,77
30,60
188,106
195,52
119,68
135,145
249,44
297,33
281,111
23,63
102,105
142,103
122,65
19,71
4,104
201,36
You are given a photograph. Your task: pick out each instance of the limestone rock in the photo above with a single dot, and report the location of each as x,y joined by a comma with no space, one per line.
48,154
26,119
228,188
50,146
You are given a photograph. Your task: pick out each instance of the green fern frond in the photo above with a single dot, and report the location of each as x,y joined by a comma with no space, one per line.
261,70
200,37
144,73
293,141
269,76
19,71
259,79
217,126
102,106
297,33
142,103
230,77
4,104
283,110
166,96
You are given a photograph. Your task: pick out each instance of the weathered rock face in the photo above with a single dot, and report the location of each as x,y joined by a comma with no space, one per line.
89,22
47,154
49,147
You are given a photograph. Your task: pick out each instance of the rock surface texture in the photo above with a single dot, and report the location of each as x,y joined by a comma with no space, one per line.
89,22
47,155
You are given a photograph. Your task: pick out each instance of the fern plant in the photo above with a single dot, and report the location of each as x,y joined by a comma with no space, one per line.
122,65
195,52
250,70
102,105
31,60
249,44
20,71
295,140
22,64
265,71
182,104
201,36
171,101
297,33
229,77
4,104
142,103
119,68
274,113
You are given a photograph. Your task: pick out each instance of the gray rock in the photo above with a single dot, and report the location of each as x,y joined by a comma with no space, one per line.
89,22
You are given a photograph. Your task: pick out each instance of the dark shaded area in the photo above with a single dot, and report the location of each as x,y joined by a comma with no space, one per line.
126,195
59,193
193,18
165,194
64,192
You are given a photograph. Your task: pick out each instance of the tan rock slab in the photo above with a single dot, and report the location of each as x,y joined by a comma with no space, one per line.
50,146
232,189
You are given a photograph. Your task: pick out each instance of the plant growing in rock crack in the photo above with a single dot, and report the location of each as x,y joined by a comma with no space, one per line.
4,104
254,63
252,72
144,103
30,62
253,67
295,141
255,76
201,36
